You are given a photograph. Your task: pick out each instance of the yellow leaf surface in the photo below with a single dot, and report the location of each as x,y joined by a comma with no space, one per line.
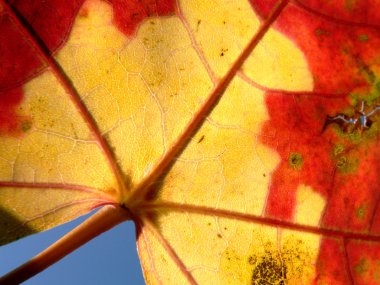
198,218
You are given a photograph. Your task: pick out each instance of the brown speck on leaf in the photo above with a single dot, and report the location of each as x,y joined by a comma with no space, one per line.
201,139
198,24
319,32
269,270
83,13
219,235
223,51
252,259
26,126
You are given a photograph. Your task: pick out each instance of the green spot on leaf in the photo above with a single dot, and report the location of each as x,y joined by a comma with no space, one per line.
376,274
346,164
362,266
321,32
349,4
361,212
355,137
26,126
296,160
377,86
363,38
338,149
341,162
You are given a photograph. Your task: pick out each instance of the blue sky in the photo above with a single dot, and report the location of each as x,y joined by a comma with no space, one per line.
111,258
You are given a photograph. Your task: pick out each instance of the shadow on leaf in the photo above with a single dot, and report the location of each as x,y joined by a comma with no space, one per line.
12,228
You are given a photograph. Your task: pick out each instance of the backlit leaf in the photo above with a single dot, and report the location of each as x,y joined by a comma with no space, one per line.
234,133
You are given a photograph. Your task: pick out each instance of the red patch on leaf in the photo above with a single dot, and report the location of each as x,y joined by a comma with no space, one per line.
330,266
128,14
364,12
18,60
353,201
364,260
343,56
375,222
295,132
49,19
263,7
49,22
347,178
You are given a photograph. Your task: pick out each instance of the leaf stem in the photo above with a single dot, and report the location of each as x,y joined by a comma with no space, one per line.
169,249
250,218
104,219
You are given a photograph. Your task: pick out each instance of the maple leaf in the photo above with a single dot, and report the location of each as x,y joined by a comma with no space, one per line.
218,128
